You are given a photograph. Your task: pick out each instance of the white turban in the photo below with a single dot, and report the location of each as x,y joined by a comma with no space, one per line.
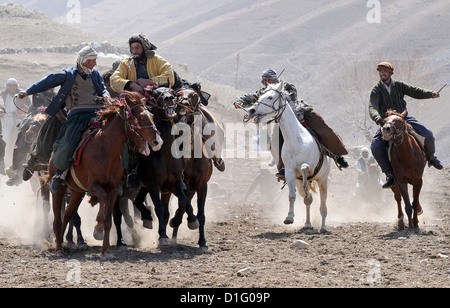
85,54
12,81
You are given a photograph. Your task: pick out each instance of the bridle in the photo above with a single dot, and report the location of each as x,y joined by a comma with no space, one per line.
190,111
154,102
278,112
135,125
397,132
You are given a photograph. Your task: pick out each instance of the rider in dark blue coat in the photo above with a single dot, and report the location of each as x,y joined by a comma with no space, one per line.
81,87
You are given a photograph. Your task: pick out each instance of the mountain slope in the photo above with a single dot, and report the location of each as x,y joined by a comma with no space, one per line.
326,48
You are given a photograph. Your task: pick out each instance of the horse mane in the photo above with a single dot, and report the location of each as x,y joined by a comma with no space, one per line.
114,105
110,110
391,112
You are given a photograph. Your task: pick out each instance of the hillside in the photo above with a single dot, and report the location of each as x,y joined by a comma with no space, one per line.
318,43
326,48
20,27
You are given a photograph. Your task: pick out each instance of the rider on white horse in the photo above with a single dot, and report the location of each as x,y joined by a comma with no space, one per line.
305,114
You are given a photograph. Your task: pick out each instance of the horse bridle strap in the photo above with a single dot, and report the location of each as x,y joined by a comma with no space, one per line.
279,112
134,127
398,132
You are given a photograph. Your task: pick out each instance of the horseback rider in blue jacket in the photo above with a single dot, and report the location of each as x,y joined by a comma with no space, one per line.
81,86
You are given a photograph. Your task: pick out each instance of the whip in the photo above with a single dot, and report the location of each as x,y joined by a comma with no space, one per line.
15,104
441,88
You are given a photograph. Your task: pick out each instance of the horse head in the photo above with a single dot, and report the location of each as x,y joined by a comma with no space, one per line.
187,104
394,126
140,124
33,130
163,103
270,102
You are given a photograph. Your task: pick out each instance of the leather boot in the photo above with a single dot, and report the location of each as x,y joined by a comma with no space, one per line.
433,161
281,173
390,180
342,162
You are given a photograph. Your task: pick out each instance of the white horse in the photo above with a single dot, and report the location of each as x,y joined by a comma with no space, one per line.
303,160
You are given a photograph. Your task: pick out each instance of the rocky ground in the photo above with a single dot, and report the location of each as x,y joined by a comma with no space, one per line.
248,244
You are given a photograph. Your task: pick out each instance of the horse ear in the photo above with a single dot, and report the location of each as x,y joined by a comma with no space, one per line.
404,113
280,86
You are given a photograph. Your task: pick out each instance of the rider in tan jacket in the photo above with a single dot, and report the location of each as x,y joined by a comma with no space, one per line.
143,68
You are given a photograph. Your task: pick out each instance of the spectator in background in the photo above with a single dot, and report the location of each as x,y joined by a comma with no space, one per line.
22,147
12,113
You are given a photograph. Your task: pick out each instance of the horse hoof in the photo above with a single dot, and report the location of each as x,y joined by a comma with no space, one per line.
107,257
194,225
98,235
288,221
204,249
82,246
164,242
122,248
148,224
71,246
60,253
323,230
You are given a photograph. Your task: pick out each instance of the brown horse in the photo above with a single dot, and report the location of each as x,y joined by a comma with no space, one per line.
100,169
408,164
31,135
198,170
35,125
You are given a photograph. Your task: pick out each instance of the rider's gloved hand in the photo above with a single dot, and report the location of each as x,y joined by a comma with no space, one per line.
379,121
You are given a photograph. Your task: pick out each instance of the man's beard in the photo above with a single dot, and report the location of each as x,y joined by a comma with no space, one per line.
385,79
139,57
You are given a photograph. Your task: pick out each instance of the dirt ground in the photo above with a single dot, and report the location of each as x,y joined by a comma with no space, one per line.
249,246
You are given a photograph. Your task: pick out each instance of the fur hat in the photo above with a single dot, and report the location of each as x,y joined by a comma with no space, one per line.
387,66
143,40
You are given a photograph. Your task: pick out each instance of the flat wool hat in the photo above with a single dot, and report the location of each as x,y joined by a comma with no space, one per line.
270,73
385,65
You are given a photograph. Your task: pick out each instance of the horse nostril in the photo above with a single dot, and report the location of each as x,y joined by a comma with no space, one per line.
251,112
